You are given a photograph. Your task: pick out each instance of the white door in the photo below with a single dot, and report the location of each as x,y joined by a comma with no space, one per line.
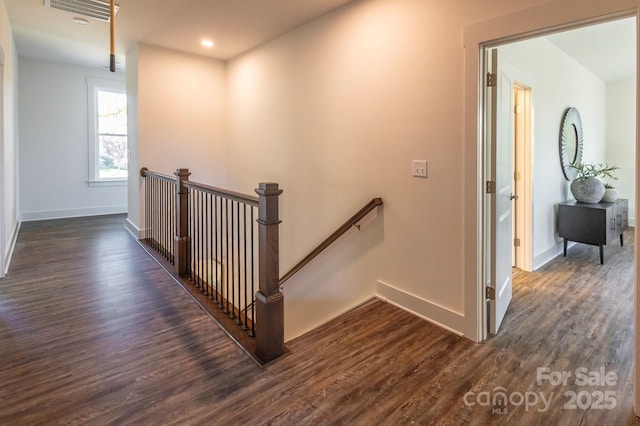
2,160
501,172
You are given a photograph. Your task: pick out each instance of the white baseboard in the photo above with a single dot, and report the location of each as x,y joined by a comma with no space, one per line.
546,256
66,213
12,247
328,320
438,315
138,233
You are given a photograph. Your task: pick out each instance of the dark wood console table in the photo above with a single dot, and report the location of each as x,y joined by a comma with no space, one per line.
595,224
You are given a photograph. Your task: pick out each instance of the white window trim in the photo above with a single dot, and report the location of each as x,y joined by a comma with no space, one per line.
94,85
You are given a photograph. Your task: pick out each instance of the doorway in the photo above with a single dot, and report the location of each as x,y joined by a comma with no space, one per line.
561,81
519,25
522,226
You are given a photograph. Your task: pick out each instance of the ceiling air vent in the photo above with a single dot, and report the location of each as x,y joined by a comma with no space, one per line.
90,8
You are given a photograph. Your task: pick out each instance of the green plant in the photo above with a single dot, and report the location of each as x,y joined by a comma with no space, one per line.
594,170
609,186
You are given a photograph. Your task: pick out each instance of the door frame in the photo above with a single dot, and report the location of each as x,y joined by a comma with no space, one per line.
520,25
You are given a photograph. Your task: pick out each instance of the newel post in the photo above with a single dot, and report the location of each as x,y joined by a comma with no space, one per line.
269,299
181,244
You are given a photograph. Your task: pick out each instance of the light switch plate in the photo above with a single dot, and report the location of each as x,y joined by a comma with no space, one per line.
419,168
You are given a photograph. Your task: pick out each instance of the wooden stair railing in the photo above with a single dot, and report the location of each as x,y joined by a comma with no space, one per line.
204,237
352,222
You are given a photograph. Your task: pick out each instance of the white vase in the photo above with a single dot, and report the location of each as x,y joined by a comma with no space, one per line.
610,195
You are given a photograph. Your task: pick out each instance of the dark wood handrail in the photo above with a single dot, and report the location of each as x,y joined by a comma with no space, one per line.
144,172
353,221
236,196
231,195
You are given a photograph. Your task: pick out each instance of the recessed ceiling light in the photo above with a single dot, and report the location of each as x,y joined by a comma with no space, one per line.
207,43
80,21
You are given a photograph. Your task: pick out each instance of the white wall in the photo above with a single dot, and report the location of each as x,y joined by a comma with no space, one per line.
181,117
621,137
54,156
335,112
558,82
8,140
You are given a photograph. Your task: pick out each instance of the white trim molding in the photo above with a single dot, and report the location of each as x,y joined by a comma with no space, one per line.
137,233
105,182
438,315
12,247
94,85
67,213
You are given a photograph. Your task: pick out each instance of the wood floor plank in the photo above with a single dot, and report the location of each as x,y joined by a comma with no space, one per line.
92,331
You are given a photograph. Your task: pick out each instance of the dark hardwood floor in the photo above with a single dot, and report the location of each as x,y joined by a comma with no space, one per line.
92,331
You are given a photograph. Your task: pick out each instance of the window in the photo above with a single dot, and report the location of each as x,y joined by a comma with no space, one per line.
108,153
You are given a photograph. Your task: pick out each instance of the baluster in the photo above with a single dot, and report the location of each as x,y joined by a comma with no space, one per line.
215,246
167,235
156,209
174,218
226,262
233,263
189,221
192,198
154,192
172,221
196,230
147,209
161,215
246,295
210,262
151,212
238,283
190,232
163,186
158,215
194,236
170,233
253,265
207,236
155,215
155,212
201,219
167,206
159,231
199,236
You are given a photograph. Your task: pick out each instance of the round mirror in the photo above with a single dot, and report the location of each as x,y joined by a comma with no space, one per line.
571,140
572,145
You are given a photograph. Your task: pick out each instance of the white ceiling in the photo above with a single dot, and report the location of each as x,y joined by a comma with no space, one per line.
608,50
234,25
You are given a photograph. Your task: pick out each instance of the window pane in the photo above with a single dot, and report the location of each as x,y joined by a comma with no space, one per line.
112,112
113,156
112,134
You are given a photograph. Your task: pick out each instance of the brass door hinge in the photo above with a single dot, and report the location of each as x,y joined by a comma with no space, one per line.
491,187
516,242
492,80
491,293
